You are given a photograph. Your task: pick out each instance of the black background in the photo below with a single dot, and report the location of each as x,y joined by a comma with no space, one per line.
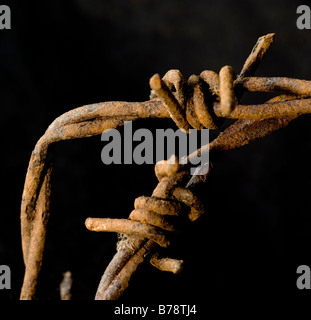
63,54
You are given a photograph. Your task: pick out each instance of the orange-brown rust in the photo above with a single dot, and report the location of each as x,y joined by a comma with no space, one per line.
167,168
152,218
211,78
203,107
129,227
259,50
280,109
194,103
226,90
187,197
243,132
174,78
165,187
166,96
167,264
129,255
34,250
119,261
121,279
193,90
160,206
299,87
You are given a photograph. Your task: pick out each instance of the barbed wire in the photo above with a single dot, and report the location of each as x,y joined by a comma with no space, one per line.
201,102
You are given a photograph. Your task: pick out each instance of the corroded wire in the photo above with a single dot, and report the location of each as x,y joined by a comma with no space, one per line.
165,201
200,102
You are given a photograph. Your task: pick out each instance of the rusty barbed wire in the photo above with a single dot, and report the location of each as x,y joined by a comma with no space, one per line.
202,101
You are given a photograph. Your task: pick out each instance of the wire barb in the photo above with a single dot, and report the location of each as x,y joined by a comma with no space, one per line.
200,102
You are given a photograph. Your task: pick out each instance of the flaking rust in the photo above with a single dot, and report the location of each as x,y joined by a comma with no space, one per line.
200,102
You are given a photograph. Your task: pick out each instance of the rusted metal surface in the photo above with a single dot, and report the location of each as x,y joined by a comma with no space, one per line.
167,264
301,88
226,89
131,248
268,110
173,106
201,102
259,50
136,228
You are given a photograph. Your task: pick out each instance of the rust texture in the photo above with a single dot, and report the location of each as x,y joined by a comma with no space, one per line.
167,264
173,106
139,229
226,88
200,102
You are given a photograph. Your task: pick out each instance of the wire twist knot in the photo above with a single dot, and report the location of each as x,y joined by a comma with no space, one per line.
153,217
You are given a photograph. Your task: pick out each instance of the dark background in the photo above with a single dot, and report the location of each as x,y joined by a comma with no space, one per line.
63,54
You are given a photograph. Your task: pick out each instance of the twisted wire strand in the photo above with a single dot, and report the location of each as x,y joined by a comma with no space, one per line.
200,102
190,103
150,217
